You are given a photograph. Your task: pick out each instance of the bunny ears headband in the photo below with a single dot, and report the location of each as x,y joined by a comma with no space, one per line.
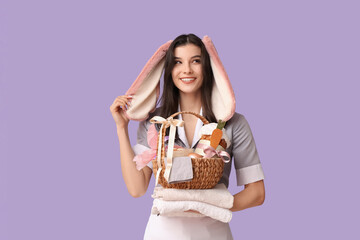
146,88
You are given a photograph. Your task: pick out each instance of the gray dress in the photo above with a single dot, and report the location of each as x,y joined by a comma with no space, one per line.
248,169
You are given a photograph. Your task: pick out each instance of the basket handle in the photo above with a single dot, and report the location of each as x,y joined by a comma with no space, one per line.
195,114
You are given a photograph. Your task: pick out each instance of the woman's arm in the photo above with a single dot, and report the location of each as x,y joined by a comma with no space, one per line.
252,195
136,181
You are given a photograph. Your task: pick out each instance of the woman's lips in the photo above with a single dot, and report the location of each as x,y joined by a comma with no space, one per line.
188,80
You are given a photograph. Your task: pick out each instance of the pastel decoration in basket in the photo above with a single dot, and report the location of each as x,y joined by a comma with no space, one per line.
146,88
203,148
202,144
210,152
173,123
181,170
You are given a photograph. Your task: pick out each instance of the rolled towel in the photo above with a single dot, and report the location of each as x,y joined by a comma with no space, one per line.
218,196
176,208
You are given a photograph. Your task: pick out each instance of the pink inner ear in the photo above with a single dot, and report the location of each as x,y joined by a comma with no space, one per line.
148,68
146,87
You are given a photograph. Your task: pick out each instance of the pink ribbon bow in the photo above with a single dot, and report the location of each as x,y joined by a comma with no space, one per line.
210,152
144,158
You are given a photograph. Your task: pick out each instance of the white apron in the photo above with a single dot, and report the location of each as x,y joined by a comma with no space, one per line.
186,228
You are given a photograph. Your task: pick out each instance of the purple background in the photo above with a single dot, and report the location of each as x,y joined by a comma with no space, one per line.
294,67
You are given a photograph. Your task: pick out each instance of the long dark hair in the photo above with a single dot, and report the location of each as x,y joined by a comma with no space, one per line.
170,98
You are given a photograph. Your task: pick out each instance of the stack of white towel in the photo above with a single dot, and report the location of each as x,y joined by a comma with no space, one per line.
214,203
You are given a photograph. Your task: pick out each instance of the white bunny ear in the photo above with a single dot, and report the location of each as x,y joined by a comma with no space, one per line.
146,88
223,97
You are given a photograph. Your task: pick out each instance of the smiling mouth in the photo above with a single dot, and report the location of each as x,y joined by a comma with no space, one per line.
187,80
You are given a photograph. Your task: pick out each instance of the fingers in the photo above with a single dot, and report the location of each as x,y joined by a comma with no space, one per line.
124,101
121,102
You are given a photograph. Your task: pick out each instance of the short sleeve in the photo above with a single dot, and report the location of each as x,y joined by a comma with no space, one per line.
246,159
141,140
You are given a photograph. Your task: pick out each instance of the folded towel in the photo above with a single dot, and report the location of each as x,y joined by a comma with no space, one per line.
218,196
175,208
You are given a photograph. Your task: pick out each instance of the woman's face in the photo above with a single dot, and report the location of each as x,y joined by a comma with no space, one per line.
187,72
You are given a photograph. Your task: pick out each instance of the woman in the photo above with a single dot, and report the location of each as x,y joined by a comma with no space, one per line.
188,84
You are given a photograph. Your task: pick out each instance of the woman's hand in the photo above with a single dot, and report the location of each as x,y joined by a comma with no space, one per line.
118,108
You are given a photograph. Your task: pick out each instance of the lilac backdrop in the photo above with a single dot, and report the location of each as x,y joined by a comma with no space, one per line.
294,66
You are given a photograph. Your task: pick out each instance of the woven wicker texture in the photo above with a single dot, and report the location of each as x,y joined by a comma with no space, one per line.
206,171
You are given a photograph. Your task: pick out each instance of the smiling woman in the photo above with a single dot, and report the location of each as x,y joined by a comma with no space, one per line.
191,69
187,57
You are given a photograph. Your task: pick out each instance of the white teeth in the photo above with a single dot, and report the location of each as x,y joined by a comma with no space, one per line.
187,79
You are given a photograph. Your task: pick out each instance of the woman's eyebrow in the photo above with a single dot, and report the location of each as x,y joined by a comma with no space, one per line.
191,57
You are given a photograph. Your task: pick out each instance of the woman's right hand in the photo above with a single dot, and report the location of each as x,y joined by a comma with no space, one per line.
118,108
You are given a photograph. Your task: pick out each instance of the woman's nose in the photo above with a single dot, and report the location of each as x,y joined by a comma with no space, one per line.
187,68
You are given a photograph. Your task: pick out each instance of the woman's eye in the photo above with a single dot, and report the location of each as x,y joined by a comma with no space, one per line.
197,60
177,62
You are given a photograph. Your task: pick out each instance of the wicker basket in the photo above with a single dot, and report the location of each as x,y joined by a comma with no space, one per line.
206,171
